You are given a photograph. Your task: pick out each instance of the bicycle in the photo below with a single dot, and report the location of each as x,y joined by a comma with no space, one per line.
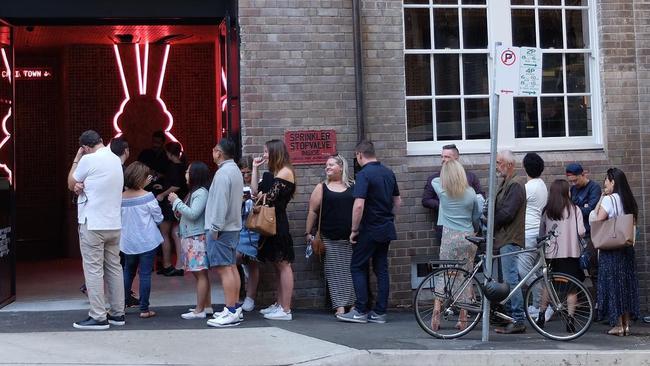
460,296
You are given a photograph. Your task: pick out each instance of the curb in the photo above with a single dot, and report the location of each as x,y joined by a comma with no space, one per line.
486,358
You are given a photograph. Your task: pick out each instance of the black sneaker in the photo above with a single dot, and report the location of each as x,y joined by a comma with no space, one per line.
116,320
163,270
92,324
512,328
132,301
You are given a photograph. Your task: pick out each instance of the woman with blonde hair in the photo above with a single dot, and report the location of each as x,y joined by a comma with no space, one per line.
459,216
333,200
278,185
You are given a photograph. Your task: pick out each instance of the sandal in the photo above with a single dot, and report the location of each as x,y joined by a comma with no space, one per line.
147,314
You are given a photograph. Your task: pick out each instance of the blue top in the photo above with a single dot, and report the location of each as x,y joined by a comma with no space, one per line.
192,213
377,185
586,198
140,219
457,213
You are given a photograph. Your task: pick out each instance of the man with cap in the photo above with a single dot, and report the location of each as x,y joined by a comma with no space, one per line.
96,176
585,194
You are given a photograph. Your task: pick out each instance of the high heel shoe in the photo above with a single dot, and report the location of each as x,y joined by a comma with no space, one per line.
626,330
571,324
617,331
541,320
435,320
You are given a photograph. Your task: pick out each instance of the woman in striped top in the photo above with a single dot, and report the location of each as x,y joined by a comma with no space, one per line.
335,197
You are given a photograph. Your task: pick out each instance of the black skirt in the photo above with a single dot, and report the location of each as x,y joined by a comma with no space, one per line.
570,266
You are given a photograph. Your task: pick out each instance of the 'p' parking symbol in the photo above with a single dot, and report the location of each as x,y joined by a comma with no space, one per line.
508,57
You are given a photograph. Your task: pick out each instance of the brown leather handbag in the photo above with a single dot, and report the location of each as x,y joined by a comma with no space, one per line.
262,218
317,244
615,233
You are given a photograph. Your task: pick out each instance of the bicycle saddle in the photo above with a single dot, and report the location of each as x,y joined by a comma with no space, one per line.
478,240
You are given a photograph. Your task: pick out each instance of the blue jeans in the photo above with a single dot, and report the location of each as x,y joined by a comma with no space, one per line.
365,249
511,276
145,260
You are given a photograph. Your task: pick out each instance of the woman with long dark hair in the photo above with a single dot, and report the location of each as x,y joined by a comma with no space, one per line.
279,185
618,286
564,251
192,234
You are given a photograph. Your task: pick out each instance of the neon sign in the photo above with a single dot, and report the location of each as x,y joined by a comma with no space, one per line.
3,124
30,73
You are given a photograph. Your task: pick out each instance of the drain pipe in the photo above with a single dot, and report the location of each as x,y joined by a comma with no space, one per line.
358,69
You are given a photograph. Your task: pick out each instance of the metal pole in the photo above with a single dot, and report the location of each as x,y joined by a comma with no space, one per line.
492,187
358,69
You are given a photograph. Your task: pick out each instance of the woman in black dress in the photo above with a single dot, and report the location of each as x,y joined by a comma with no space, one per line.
279,186
172,182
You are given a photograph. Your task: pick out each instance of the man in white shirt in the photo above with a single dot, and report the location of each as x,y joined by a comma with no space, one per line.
536,197
96,176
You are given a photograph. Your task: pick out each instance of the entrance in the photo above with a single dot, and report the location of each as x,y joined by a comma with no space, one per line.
126,80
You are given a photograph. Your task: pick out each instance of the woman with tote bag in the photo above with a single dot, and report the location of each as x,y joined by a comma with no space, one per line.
618,286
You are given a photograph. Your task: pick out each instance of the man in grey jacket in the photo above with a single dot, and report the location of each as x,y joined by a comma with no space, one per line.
222,225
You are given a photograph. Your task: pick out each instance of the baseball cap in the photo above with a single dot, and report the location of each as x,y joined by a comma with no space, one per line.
574,169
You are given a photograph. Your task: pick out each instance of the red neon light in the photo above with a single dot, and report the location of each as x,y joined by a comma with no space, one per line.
224,97
142,83
3,125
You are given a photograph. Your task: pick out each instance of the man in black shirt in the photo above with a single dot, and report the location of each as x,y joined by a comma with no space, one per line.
377,199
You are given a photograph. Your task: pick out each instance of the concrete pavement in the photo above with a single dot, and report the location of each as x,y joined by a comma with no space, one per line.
312,338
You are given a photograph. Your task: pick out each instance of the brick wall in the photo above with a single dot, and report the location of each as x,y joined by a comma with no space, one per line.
297,73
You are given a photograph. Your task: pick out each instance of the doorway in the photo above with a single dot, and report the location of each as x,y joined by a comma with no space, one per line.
129,80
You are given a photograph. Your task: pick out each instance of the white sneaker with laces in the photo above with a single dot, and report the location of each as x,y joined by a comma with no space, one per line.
270,309
249,304
279,314
533,311
221,313
226,319
193,315
208,311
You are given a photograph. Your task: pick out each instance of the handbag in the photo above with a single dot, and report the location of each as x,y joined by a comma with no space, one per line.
317,244
614,233
585,254
262,218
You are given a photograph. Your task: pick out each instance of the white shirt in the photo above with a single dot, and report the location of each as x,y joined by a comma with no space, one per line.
608,202
140,219
536,197
99,204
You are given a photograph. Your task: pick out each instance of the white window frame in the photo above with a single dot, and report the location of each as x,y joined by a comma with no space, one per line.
500,28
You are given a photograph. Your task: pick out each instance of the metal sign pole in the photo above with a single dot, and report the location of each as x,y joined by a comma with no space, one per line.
492,187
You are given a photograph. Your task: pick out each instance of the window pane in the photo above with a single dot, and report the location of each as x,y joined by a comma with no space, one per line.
553,117
579,116
416,1
419,120
475,74
576,2
418,74
477,118
475,28
473,2
577,29
550,2
550,29
523,28
443,2
448,123
525,109
552,73
417,28
445,24
577,65
447,74
522,2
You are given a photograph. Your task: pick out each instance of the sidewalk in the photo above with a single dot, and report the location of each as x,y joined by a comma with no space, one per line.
312,338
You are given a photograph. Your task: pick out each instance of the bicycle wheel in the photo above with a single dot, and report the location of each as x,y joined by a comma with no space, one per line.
571,304
459,299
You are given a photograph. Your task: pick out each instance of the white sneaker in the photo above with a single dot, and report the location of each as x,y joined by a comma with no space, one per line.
549,313
279,314
208,311
249,304
533,311
270,309
193,315
221,313
227,319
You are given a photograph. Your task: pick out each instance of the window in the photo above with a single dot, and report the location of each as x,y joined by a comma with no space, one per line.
448,72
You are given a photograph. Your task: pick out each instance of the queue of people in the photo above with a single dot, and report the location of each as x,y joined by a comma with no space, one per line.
139,209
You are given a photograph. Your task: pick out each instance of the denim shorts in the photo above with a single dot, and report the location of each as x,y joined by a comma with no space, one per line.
221,252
